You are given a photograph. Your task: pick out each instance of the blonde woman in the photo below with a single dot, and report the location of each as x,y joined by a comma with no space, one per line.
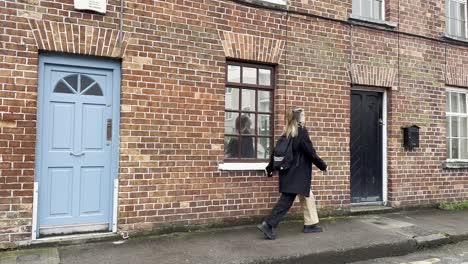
296,180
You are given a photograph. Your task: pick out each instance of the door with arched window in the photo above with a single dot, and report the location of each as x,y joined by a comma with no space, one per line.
77,109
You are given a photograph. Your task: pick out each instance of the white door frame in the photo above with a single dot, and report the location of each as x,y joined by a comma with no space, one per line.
84,61
384,139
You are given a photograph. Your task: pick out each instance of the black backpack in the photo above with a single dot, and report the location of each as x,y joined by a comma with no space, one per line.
283,158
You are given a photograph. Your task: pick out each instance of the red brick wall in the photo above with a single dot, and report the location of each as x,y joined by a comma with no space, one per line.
172,102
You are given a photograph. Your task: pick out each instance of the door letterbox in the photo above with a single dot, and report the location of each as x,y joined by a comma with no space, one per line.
411,137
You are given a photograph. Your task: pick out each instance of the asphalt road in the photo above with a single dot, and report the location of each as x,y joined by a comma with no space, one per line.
450,254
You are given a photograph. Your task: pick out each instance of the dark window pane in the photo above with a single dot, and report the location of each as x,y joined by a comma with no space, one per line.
231,147
248,100
85,82
247,147
247,122
231,98
72,80
94,90
455,124
263,148
454,102
61,87
455,149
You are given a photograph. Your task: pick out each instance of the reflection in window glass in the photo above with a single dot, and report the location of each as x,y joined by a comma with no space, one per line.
61,87
247,147
231,147
230,119
94,90
232,98
248,100
263,125
72,80
264,101
264,77
263,148
249,75
248,112
85,82
234,73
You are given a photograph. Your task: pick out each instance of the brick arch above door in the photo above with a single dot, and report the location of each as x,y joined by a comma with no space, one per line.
251,48
78,39
374,76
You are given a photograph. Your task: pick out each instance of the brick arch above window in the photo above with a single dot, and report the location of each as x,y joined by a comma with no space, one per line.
457,76
252,48
78,39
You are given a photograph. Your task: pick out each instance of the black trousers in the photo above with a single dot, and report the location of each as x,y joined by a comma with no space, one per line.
282,207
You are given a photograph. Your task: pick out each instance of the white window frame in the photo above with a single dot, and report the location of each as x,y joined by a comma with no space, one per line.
279,2
372,8
448,19
450,114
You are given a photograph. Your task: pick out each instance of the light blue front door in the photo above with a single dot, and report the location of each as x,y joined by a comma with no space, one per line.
76,144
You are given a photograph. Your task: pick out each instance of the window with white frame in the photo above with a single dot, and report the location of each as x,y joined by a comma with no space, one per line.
456,22
280,2
373,9
457,124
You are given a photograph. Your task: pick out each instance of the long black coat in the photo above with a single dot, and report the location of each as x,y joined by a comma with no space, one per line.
297,179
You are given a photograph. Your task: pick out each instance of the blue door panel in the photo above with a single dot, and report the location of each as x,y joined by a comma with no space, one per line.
74,156
91,189
93,127
61,191
62,125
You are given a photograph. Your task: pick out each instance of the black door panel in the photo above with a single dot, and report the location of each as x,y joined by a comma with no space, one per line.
366,146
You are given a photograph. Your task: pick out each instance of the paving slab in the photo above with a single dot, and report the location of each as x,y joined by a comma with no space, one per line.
31,256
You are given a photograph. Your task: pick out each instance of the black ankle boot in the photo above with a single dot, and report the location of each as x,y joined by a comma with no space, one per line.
312,228
267,230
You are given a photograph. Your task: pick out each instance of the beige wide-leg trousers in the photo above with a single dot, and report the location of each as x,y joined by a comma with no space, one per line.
309,208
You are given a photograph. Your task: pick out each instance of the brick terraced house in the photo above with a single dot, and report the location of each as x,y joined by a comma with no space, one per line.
145,114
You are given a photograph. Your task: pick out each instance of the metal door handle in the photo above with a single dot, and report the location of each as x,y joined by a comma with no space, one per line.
109,131
76,155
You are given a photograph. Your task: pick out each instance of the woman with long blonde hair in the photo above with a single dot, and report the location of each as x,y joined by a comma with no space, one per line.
297,179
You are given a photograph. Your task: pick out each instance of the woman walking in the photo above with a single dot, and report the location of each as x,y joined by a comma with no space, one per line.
297,179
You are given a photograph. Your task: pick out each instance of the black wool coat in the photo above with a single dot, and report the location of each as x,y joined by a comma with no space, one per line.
297,179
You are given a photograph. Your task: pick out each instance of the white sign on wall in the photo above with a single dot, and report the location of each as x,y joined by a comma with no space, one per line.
93,5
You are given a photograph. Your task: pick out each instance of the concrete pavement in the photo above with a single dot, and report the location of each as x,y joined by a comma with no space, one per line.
344,240
448,254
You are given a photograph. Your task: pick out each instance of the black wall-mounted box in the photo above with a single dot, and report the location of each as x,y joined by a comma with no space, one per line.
411,137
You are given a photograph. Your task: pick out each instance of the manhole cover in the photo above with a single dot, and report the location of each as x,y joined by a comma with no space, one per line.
30,257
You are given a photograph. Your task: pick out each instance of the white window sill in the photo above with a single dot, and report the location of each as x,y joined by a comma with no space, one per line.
373,21
242,166
456,164
447,36
269,3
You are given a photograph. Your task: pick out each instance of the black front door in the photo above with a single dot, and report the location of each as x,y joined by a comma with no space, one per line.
366,146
